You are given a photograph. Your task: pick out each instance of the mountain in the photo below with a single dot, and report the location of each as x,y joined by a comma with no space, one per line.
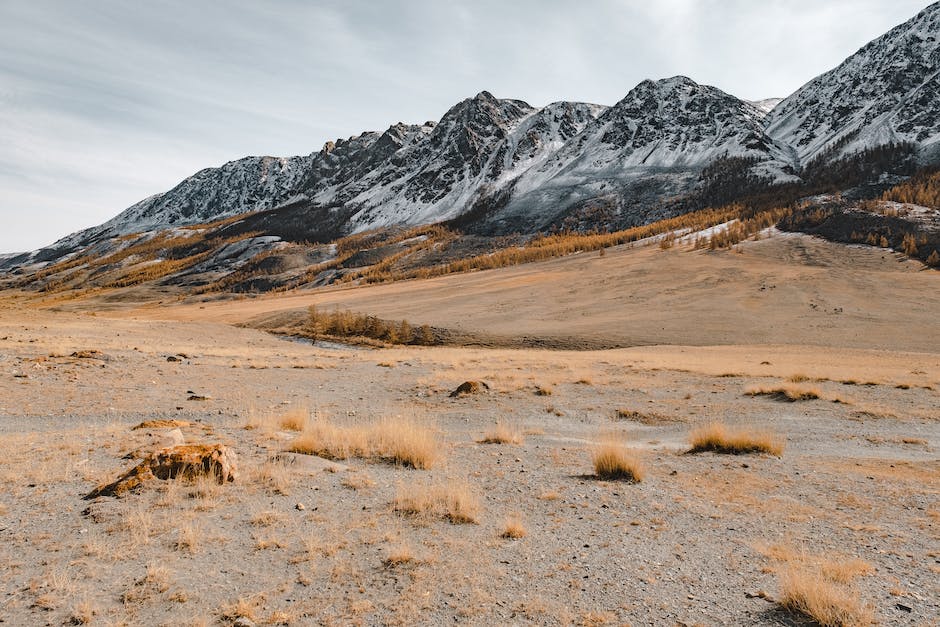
766,105
887,92
650,146
495,166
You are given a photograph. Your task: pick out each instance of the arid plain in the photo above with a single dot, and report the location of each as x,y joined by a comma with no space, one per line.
830,353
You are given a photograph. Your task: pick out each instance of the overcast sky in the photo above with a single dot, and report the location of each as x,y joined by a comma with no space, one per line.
103,103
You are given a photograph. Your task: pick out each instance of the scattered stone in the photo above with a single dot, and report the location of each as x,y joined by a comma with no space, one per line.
188,461
308,464
469,387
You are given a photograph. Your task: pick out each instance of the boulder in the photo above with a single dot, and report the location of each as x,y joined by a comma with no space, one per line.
469,387
188,461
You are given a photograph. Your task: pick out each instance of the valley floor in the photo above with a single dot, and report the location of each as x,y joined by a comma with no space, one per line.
703,539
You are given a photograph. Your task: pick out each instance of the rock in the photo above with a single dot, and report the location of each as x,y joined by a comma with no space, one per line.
198,397
188,461
161,424
90,354
309,464
300,507
242,621
469,387
173,358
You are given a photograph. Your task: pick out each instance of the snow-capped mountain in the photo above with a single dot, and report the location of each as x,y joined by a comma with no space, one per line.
433,172
502,165
651,145
889,91
766,105
248,184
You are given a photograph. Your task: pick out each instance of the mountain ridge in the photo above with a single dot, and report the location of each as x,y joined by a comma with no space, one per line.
501,165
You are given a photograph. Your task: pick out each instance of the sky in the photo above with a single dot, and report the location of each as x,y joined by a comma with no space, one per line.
106,102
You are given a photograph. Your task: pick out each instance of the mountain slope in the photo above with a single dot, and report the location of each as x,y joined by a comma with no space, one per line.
650,146
888,91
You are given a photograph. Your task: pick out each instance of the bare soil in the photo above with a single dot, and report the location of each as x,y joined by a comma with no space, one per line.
700,540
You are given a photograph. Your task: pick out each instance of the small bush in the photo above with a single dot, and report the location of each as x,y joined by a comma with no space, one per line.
807,592
397,440
514,529
718,438
503,433
295,420
454,501
614,461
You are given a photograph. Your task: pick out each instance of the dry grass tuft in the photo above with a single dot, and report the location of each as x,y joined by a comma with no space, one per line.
614,461
503,433
811,594
295,420
718,438
357,481
398,440
514,528
454,501
786,393
541,390
83,613
399,556
273,476
244,607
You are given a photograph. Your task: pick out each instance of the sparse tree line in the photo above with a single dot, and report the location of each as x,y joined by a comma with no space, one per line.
347,324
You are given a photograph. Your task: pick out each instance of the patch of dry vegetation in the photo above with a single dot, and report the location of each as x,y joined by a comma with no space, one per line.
514,528
786,393
296,419
614,461
454,501
398,440
347,324
503,433
717,437
810,593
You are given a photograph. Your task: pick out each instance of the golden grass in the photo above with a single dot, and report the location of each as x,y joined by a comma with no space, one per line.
454,501
541,390
787,393
399,556
296,419
808,592
719,438
275,477
503,433
397,440
615,461
514,528
357,481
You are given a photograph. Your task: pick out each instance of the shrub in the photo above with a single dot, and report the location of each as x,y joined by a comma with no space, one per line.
397,440
513,529
718,438
806,591
503,433
614,461
454,501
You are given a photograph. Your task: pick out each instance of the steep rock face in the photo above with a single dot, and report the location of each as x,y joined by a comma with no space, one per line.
244,185
249,184
888,91
649,146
